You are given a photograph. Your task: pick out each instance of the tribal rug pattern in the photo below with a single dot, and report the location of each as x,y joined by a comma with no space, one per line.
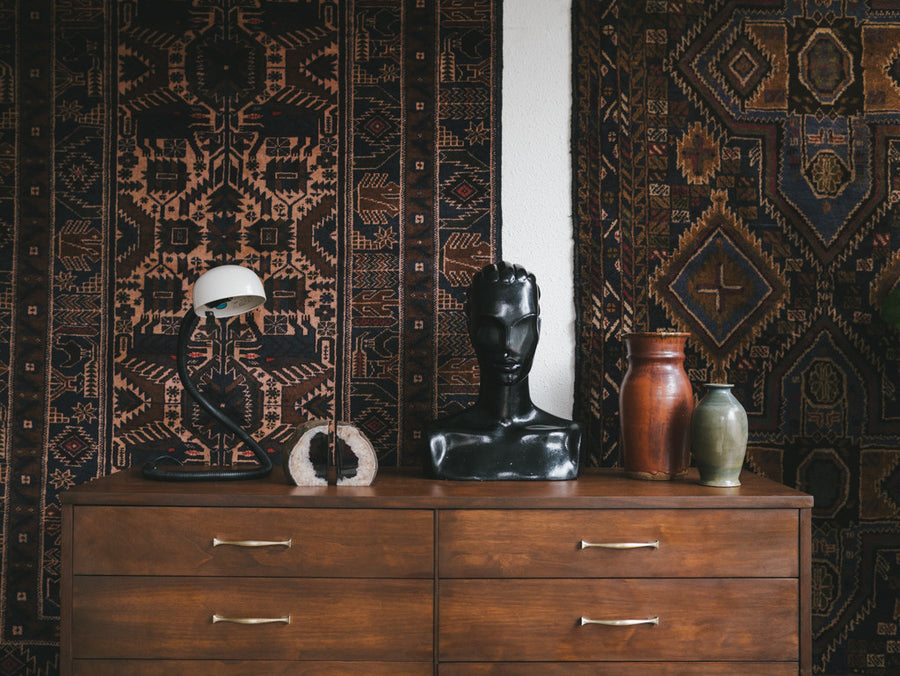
736,176
346,151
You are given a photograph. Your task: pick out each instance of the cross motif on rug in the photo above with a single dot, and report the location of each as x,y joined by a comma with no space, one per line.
719,287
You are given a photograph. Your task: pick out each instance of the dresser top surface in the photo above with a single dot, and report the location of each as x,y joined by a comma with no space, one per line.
399,489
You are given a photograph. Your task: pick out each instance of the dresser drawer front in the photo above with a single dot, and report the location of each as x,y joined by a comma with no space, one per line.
172,618
323,542
548,543
540,620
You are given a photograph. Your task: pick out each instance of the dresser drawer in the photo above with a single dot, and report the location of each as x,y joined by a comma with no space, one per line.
548,543
172,618
239,668
540,620
323,542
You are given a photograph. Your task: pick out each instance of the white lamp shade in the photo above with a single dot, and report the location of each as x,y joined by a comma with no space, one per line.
227,290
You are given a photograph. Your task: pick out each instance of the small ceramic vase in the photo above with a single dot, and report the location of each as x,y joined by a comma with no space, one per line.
655,404
719,436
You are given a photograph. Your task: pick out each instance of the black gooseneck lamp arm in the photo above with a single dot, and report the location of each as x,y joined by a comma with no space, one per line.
154,470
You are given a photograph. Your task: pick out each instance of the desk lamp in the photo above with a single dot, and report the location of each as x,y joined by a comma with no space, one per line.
219,293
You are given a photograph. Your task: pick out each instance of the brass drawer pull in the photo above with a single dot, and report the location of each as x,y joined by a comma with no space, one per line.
252,543
620,545
252,620
620,623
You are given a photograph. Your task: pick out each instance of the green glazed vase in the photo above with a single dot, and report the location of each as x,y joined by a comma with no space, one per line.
719,436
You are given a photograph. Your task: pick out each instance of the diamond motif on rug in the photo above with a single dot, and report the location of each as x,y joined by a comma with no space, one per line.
73,447
744,66
719,284
712,289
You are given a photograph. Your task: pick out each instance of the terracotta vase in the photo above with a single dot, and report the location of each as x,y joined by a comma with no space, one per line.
719,436
655,406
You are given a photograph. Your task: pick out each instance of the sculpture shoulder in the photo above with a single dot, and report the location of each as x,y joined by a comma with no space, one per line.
543,418
471,446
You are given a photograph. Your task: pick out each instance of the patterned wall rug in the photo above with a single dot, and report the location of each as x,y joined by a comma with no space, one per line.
346,151
736,171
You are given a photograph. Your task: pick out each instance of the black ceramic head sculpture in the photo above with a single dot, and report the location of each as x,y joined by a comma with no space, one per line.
503,435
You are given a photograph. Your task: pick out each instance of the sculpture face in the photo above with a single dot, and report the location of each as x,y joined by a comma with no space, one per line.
504,328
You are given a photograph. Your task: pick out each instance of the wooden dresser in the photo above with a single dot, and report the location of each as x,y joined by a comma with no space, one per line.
603,575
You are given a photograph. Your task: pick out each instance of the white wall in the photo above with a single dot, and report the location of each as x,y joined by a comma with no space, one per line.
535,181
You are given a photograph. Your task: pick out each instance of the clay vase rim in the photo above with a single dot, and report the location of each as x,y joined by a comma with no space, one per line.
666,345
656,334
721,385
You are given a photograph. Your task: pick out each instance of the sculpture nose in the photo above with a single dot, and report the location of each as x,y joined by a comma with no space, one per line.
508,348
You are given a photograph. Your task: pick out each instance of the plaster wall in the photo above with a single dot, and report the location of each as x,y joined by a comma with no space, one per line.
535,181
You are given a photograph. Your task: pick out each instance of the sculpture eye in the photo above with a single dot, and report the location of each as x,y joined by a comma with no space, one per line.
523,334
490,332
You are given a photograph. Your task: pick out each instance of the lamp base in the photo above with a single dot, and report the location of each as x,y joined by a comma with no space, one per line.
177,471
154,469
